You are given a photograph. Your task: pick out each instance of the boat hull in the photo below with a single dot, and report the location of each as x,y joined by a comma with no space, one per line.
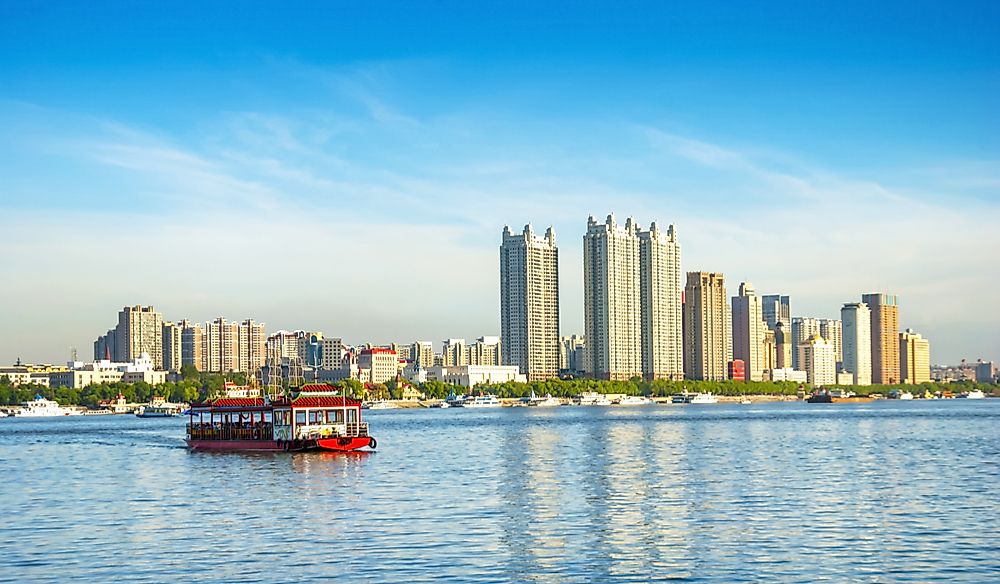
253,445
344,444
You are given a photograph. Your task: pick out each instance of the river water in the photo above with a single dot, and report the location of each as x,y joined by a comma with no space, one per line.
795,492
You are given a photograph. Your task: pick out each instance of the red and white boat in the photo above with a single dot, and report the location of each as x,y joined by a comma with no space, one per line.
316,418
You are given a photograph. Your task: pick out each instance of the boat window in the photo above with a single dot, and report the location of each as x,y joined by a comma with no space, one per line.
314,417
267,416
300,418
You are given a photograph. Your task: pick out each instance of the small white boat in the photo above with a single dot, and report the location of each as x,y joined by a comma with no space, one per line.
157,411
634,400
703,398
906,395
441,404
42,408
541,402
379,405
974,394
744,401
591,398
480,401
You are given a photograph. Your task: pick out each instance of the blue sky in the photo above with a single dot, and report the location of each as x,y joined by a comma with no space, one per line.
349,166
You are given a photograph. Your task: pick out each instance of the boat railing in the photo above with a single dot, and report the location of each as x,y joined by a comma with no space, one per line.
254,431
357,429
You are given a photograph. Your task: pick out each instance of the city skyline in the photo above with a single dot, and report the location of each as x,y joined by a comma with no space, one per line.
390,155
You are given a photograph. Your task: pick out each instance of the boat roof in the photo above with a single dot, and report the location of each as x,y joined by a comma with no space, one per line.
305,399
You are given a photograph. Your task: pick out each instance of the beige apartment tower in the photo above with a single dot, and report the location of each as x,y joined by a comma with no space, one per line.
857,339
231,346
749,331
884,337
172,346
914,358
611,300
660,294
707,327
529,302
193,345
139,330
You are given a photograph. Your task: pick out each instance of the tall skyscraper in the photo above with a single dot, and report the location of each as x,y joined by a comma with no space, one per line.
914,358
803,329
172,346
833,331
857,349
422,353
529,302
776,307
612,311
231,346
707,327
660,304
885,337
748,332
571,354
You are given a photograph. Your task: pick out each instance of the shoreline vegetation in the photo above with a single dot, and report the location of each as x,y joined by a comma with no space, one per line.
198,386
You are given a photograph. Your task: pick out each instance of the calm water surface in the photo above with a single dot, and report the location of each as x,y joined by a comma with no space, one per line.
887,491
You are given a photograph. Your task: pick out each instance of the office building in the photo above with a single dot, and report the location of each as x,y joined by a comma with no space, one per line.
529,302
775,308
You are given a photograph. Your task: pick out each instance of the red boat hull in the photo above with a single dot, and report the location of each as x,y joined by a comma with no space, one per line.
346,444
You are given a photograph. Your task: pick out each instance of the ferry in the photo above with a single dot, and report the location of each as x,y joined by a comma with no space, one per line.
696,398
634,400
42,408
480,401
316,418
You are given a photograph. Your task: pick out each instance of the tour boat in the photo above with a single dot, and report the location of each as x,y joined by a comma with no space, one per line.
316,418
480,401
634,400
42,408
592,398
379,405
541,402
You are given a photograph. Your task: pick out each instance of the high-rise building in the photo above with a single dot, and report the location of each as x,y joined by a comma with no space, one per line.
707,327
193,345
914,358
332,353
819,361
571,354
885,337
455,352
660,304
612,311
784,347
986,371
172,346
486,351
105,347
748,332
529,302
770,352
139,330
803,329
776,307
231,346
833,332
378,365
857,348
422,353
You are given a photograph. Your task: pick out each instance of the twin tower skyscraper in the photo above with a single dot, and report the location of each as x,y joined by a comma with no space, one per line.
632,302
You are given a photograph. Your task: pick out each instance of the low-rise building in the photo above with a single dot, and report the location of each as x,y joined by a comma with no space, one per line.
789,374
473,375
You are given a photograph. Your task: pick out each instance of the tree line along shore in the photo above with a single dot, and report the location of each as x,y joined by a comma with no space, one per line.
197,386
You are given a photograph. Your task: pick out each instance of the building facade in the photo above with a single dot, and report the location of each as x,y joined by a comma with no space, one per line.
529,302
749,332
193,345
884,337
612,311
571,354
819,361
775,308
914,358
803,329
660,293
707,327
454,352
857,347
172,346
486,351
378,365
833,331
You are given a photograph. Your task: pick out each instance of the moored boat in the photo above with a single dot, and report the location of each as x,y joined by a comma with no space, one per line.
156,411
42,408
316,418
634,400
480,401
974,394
